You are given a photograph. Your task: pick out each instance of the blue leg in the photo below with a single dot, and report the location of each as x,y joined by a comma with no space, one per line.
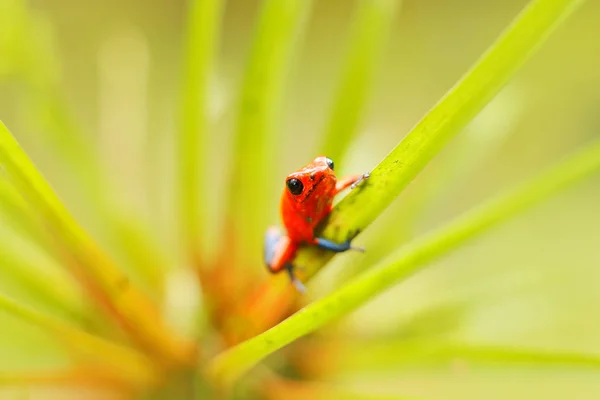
336,247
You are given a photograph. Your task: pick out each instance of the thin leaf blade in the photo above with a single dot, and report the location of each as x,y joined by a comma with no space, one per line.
201,39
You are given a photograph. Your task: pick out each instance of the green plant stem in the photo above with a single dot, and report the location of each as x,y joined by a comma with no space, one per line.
202,36
415,255
371,28
353,214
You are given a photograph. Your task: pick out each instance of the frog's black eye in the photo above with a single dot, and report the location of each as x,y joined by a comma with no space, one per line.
330,163
294,186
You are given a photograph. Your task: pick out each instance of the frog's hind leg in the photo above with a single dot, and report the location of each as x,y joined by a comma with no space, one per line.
278,250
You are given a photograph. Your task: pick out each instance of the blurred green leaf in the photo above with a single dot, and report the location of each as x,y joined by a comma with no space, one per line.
98,274
405,262
96,378
12,32
203,27
479,85
292,390
29,271
14,208
27,43
131,364
26,265
373,21
38,72
356,356
260,104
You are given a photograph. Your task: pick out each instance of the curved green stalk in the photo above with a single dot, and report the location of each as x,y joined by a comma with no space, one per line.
371,28
440,125
405,262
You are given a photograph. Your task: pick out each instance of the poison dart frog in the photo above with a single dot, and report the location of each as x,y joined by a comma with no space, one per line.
307,199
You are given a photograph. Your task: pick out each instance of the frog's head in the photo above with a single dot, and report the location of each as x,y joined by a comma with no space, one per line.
313,181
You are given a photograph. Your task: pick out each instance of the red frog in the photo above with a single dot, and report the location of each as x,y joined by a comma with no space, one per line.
307,199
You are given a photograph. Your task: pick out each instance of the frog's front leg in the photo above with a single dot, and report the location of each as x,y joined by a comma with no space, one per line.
350,181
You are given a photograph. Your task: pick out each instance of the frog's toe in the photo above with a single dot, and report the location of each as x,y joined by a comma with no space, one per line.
358,248
295,281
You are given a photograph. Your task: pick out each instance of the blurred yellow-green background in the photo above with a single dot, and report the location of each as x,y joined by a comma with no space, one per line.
114,68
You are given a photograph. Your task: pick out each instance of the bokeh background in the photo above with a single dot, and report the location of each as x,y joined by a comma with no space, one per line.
531,283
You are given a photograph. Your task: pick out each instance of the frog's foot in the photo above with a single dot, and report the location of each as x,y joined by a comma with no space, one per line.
336,247
295,281
364,176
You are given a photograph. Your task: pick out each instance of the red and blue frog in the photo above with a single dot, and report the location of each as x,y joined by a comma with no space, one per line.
307,199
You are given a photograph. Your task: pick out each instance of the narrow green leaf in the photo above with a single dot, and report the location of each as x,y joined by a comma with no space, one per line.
25,264
405,262
17,260
442,123
96,378
513,355
131,364
293,390
28,270
86,261
280,22
356,356
31,268
203,27
142,251
14,208
372,24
